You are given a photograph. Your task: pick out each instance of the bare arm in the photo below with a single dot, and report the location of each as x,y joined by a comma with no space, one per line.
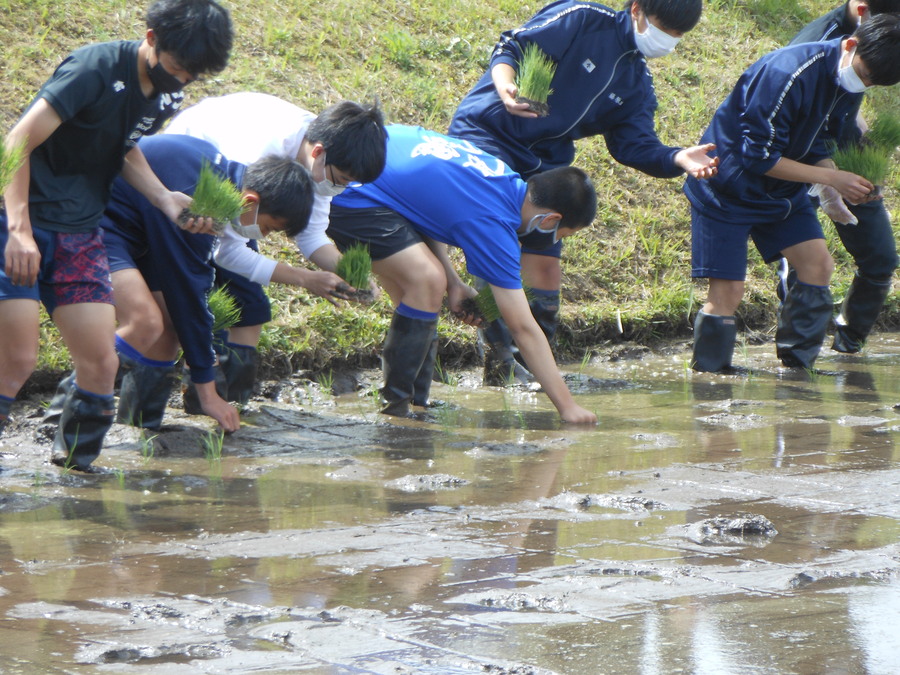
138,173
22,256
532,343
853,188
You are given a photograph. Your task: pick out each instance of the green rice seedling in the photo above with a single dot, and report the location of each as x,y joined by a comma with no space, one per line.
484,304
217,198
326,382
224,309
355,266
148,448
884,132
10,160
869,161
213,443
533,77
120,477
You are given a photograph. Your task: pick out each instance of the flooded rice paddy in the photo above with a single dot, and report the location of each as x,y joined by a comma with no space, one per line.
709,524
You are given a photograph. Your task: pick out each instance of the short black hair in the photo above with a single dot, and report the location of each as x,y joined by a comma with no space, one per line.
354,139
285,190
680,15
882,6
567,190
878,45
198,33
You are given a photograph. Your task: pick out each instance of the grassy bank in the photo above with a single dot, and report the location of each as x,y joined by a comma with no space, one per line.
626,279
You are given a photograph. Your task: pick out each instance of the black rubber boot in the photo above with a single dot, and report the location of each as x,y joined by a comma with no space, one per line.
191,400
405,350
5,407
802,322
143,393
53,411
425,376
501,367
858,314
83,424
545,309
714,338
239,365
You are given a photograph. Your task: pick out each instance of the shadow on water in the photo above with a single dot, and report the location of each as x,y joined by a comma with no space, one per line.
710,523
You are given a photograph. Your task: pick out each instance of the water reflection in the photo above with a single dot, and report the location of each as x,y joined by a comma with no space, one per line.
483,534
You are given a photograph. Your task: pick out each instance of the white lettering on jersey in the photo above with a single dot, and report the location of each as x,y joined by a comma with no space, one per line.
451,148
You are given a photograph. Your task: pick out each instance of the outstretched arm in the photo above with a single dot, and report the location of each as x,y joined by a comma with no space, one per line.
532,342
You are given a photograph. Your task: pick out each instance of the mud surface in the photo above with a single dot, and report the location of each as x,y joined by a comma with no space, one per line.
710,524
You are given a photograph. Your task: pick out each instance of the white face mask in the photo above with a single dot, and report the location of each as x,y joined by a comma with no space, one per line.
654,42
848,78
249,231
321,184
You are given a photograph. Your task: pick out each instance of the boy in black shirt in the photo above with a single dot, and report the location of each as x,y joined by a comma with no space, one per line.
79,133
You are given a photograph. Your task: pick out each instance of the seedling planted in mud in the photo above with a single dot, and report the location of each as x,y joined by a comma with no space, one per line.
215,197
213,442
148,448
533,77
224,308
10,160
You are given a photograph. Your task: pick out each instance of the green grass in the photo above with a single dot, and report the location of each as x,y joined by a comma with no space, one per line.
419,59
355,266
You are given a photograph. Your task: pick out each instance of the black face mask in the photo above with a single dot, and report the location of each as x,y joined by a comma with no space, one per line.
536,238
163,81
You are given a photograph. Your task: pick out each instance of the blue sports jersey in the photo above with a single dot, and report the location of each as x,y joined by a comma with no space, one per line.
454,193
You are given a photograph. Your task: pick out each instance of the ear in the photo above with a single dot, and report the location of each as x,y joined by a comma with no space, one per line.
551,219
850,43
151,38
250,197
317,150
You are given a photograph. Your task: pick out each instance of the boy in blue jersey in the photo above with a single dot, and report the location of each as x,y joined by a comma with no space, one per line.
162,275
436,190
79,133
774,135
864,229
601,86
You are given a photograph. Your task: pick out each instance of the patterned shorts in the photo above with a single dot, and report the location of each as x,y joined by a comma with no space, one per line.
74,269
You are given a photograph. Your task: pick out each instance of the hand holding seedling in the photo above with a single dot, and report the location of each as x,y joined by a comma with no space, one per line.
504,77
855,189
457,294
327,285
696,161
833,204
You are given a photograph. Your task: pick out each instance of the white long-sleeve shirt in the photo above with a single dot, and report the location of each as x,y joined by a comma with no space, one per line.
246,127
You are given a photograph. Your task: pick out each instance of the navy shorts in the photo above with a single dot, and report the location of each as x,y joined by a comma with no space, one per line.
383,230
719,248
73,269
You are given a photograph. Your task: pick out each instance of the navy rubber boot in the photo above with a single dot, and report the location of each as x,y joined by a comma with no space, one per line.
714,338
802,322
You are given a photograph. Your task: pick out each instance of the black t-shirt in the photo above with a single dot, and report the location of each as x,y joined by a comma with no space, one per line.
97,93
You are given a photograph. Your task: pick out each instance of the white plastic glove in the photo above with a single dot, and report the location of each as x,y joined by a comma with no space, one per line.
833,204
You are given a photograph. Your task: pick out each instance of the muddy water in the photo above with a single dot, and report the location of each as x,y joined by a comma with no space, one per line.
710,524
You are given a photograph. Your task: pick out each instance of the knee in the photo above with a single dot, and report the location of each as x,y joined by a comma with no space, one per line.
427,288
18,364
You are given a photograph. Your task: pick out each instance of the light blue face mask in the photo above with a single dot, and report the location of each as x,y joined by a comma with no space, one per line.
537,238
248,231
